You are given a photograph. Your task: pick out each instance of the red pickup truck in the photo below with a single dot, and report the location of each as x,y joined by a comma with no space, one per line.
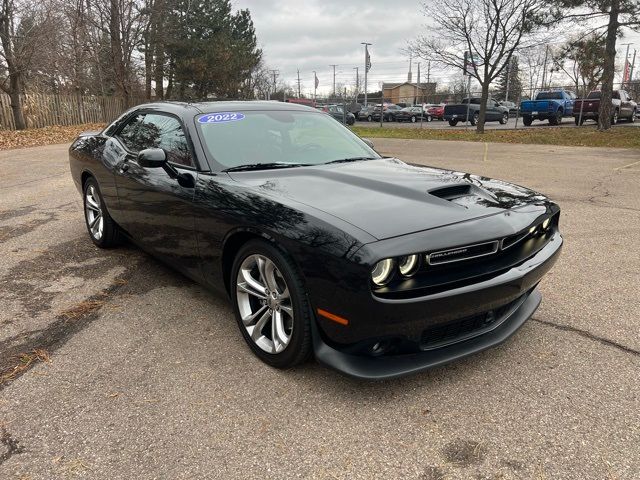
587,108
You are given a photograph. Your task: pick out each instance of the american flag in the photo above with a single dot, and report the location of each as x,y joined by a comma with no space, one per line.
368,63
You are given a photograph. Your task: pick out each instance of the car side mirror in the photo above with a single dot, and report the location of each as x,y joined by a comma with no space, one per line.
368,142
152,158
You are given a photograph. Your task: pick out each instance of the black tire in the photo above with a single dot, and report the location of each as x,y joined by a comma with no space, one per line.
429,118
111,235
504,119
453,123
527,120
632,118
413,119
298,350
577,121
474,119
556,119
614,118
369,118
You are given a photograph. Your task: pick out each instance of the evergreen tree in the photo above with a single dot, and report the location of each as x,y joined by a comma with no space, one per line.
510,76
211,50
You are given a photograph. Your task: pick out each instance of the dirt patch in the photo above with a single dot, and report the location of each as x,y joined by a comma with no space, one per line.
10,445
16,212
463,453
31,282
8,232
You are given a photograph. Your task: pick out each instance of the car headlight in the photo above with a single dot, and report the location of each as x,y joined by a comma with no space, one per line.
546,223
408,265
382,272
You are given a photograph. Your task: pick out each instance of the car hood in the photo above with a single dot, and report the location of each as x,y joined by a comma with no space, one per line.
388,197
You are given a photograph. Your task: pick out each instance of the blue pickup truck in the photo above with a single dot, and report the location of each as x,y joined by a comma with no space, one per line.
552,105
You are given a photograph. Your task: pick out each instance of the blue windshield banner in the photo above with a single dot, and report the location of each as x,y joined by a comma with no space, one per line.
221,117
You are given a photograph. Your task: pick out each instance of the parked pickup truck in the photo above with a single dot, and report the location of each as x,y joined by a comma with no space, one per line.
588,108
552,106
457,112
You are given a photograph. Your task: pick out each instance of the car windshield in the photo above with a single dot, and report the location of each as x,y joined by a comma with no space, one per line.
234,139
549,96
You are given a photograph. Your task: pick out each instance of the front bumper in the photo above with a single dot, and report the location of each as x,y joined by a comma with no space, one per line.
409,324
380,368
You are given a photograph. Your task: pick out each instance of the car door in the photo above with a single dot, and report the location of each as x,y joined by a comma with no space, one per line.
493,113
625,105
157,209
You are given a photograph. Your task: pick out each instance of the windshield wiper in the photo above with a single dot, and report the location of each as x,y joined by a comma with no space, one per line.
264,166
352,159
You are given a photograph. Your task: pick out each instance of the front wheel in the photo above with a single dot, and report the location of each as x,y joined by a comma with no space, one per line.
453,123
527,120
632,118
504,119
270,305
104,232
614,119
413,119
369,118
474,119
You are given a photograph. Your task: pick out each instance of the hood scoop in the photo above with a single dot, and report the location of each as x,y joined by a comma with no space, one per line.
464,194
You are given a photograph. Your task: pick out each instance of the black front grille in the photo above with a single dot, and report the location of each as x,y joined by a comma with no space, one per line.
465,328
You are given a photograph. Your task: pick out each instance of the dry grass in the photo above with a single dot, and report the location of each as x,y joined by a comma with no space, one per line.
82,309
25,361
618,137
37,137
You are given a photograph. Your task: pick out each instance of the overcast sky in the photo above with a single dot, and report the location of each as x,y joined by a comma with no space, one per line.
313,34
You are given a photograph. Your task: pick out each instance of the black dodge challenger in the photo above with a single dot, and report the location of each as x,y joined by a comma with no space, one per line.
377,267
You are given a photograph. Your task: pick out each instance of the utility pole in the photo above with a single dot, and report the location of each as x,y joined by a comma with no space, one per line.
417,89
357,83
298,83
409,76
315,86
506,93
366,68
334,80
275,75
633,65
626,62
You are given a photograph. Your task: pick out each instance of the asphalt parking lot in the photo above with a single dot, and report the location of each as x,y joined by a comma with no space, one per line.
145,374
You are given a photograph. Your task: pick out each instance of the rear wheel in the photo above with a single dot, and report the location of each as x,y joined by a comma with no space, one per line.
104,232
614,119
369,118
527,120
453,123
504,119
474,119
413,119
271,308
632,118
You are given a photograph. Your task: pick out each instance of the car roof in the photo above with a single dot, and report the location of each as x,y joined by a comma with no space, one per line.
225,106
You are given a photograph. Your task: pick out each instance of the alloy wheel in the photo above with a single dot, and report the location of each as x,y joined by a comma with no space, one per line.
264,303
93,212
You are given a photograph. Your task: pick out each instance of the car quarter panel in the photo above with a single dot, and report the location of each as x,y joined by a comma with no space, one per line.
86,156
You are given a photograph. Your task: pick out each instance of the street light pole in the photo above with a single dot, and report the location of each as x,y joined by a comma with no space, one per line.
366,68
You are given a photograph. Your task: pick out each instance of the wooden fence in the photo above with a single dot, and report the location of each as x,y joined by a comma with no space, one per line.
42,110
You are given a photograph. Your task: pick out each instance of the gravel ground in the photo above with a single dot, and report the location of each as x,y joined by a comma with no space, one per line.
145,374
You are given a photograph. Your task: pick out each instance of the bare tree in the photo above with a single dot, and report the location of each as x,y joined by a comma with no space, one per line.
582,60
491,30
608,17
21,34
532,59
